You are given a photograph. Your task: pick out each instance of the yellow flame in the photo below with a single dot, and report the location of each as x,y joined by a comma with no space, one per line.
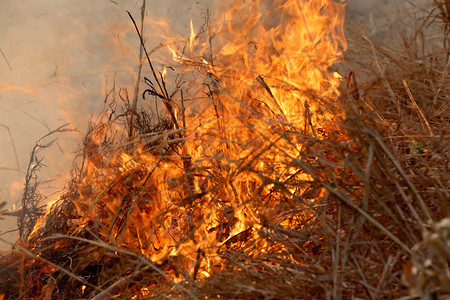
192,37
163,75
41,220
267,69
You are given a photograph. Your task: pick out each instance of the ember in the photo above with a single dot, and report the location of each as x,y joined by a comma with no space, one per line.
251,168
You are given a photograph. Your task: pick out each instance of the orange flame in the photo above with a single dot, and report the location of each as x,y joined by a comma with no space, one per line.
265,71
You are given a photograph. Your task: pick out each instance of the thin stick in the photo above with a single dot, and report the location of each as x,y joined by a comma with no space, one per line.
4,56
166,98
136,89
411,97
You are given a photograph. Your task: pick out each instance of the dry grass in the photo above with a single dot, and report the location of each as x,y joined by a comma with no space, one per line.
370,220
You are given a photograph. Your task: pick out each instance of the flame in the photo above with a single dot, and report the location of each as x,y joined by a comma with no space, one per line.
192,37
265,71
42,219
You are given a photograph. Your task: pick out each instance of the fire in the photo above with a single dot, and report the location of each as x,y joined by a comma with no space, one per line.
217,175
43,218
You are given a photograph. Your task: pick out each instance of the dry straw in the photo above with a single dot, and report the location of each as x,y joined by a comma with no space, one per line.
369,221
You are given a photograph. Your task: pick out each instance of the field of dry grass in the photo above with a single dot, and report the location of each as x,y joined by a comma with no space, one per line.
363,215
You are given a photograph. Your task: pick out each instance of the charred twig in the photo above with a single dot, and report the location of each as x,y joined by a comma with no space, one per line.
31,200
162,93
4,56
353,85
136,89
260,79
200,256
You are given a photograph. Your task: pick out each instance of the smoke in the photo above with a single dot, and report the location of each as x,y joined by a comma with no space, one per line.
386,19
58,57
57,60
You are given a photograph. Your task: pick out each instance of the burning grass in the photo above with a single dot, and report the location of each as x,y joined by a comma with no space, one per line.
272,178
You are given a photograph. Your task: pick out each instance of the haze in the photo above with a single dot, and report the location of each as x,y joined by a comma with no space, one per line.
58,56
